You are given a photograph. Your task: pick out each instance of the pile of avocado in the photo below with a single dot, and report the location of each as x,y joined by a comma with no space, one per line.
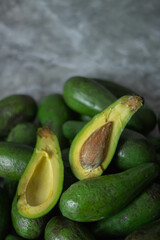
80,166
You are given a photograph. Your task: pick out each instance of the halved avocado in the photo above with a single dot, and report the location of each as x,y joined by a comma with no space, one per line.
42,181
94,146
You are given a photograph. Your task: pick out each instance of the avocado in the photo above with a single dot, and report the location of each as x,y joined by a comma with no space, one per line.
144,209
86,96
12,237
4,213
133,149
69,178
24,227
10,187
24,133
96,198
53,112
14,157
41,184
144,120
150,231
94,146
60,228
16,109
71,128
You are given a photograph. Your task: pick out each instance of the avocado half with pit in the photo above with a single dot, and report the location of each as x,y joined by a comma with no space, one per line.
42,181
94,146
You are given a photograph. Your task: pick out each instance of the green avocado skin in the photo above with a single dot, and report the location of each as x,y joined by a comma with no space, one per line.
10,187
144,209
100,197
150,231
4,213
71,128
133,149
16,109
24,133
61,228
13,159
86,96
53,112
24,227
144,119
12,237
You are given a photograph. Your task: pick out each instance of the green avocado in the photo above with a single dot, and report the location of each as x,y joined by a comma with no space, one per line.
14,157
150,231
10,187
86,96
24,227
12,237
133,149
155,142
16,109
144,120
4,213
71,128
61,228
144,209
96,198
53,112
94,146
24,133
41,183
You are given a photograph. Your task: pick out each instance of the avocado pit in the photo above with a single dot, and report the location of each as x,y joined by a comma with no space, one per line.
94,148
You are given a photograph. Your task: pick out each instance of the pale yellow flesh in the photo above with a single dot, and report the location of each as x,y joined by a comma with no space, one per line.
41,182
119,115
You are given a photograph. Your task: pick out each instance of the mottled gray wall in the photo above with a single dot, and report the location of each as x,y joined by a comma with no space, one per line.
43,42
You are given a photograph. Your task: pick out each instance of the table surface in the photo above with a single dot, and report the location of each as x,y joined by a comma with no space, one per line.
42,43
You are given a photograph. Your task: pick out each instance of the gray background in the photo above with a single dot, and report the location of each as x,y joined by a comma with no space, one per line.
43,42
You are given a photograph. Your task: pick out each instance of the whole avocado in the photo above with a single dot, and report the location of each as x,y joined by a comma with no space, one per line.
16,109
61,228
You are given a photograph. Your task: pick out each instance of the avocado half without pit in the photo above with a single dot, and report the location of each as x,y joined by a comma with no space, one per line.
94,146
42,181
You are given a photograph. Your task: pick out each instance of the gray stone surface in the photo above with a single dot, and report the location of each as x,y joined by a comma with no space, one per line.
43,42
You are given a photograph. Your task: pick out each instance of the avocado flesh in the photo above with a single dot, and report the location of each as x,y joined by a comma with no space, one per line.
42,181
112,120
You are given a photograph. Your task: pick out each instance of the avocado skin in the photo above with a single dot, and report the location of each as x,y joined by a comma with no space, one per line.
13,159
53,112
15,109
61,228
24,133
86,96
71,128
144,209
100,197
10,187
12,237
144,119
155,142
133,149
24,227
150,231
4,213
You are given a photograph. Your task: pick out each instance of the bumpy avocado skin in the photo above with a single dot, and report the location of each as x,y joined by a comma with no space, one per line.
53,112
12,237
13,159
24,227
88,203
133,149
61,228
71,128
150,231
144,209
16,109
86,96
24,133
4,213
